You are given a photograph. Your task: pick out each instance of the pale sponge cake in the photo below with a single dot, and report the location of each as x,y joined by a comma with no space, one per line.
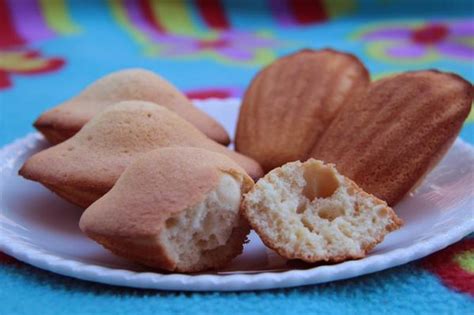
309,211
176,209
392,137
289,104
84,167
63,121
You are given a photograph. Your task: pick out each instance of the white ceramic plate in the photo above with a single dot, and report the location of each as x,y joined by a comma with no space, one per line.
41,229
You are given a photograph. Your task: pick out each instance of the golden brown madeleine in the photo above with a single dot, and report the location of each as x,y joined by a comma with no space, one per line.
176,209
403,126
86,166
311,212
290,103
63,121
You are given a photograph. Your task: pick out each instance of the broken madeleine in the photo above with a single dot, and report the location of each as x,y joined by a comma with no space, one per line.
309,211
176,209
65,120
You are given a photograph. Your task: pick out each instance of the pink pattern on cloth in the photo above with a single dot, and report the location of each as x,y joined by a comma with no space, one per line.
234,45
28,20
136,16
281,11
450,39
214,92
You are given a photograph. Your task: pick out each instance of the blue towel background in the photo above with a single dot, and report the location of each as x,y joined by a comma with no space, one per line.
50,50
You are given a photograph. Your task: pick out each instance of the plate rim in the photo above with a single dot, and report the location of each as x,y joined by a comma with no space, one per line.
215,282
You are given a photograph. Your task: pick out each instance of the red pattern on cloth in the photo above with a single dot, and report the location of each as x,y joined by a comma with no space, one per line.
8,35
29,59
308,11
213,14
202,94
5,259
448,270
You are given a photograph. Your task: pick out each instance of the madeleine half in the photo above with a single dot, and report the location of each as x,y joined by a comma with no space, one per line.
86,166
289,104
63,121
309,211
176,209
390,139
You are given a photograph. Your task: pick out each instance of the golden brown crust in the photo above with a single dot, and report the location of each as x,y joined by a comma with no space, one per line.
154,255
80,197
55,133
128,248
87,165
176,178
290,103
160,184
389,139
63,121
79,176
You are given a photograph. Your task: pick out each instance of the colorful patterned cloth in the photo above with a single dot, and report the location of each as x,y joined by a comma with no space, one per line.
51,49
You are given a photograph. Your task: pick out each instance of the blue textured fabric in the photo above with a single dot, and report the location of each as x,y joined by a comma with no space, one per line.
84,40
403,290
